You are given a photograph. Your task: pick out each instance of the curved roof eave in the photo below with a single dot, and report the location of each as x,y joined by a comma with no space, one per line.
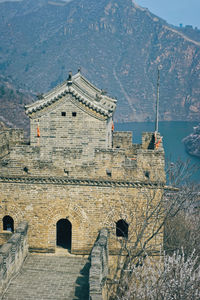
83,91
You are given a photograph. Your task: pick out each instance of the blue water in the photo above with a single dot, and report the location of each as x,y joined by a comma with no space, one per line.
172,133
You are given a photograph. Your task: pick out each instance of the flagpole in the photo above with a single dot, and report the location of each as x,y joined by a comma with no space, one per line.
157,101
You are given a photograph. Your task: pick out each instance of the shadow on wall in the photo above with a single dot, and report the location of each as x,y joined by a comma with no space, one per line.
82,283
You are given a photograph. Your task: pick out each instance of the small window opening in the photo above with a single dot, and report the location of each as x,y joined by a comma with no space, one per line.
63,114
66,171
26,169
73,114
8,223
109,173
147,174
122,229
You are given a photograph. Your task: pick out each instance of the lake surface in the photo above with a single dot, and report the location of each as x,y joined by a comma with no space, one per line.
172,133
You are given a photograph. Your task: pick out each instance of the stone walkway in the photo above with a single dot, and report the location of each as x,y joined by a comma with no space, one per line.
45,277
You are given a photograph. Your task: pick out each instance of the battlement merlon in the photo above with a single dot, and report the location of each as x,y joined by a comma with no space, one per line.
150,141
144,161
10,137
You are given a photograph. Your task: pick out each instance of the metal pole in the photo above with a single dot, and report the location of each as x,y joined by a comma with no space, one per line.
157,101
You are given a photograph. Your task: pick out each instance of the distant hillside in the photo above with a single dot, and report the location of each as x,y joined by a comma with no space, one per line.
118,45
12,103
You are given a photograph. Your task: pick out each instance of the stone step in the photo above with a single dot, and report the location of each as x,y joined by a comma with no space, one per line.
50,277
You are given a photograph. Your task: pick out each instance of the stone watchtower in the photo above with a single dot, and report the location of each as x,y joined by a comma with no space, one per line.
74,115
77,176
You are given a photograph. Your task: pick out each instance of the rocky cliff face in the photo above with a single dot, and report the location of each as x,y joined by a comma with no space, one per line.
118,45
192,142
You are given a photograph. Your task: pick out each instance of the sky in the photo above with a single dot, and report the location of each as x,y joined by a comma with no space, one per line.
176,12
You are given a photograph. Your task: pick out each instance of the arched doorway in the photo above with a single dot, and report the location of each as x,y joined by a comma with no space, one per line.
64,234
8,223
122,228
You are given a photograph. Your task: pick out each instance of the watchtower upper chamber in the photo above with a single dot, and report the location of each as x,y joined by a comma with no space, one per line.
74,115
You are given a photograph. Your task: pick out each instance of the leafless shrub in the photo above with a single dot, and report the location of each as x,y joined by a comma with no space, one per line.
171,277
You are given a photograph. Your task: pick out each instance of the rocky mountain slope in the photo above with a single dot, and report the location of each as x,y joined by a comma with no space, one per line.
12,103
118,46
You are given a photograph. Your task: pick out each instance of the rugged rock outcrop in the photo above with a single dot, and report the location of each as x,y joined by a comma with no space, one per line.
192,142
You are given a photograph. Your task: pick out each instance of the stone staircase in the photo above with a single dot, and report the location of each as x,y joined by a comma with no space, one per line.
55,277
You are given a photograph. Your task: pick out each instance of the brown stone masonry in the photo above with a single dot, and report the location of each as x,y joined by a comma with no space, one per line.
76,176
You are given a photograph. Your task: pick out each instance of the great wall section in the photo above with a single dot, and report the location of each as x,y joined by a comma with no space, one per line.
73,186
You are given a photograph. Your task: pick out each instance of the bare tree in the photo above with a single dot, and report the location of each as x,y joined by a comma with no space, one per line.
145,230
183,230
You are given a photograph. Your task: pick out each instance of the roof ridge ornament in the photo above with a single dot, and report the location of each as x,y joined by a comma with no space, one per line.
69,79
98,97
103,92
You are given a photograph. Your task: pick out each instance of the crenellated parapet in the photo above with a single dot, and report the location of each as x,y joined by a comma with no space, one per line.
99,266
10,137
13,254
125,161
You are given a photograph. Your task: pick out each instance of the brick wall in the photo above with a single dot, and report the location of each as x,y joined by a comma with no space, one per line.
9,138
89,206
135,163
66,125
4,237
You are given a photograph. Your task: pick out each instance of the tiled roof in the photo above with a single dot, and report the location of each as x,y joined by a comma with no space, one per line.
82,91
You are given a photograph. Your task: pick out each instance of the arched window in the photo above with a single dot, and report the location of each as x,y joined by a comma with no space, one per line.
64,234
8,223
122,229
